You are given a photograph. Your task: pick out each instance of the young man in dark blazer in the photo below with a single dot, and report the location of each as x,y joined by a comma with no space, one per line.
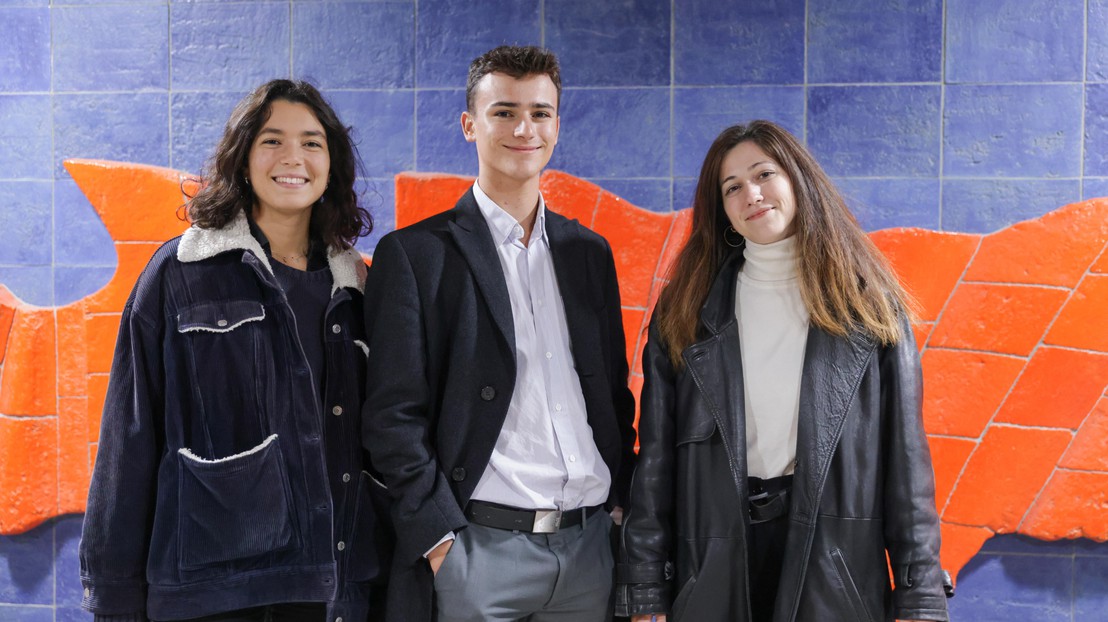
498,408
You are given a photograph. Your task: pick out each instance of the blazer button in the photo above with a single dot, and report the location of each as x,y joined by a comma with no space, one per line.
488,393
458,474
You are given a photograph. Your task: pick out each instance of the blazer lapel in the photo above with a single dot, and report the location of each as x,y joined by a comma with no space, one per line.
472,236
573,272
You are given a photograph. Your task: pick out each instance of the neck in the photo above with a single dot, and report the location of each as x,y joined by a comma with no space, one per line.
287,233
521,201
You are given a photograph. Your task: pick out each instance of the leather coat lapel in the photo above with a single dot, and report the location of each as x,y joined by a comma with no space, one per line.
472,236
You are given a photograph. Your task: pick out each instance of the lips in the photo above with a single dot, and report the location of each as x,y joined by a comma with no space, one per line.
291,181
759,213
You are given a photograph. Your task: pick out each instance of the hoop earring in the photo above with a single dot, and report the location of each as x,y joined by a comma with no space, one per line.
727,240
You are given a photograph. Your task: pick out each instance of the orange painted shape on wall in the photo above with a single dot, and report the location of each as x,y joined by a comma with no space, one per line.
72,351
427,194
1100,266
1083,322
948,458
1055,249
631,319
675,241
922,332
571,196
962,390
28,496
1057,390
1009,319
1089,449
1004,476
1074,504
102,331
144,198
928,263
637,238
73,462
960,544
30,384
7,314
97,393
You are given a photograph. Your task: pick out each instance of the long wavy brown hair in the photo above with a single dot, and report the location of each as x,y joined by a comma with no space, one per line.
845,281
338,220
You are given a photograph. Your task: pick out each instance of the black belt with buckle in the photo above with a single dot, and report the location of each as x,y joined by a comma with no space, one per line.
769,498
530,521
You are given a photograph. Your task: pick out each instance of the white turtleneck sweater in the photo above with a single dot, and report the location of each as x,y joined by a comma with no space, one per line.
773,331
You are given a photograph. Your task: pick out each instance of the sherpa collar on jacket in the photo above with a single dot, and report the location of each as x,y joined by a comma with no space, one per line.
347,267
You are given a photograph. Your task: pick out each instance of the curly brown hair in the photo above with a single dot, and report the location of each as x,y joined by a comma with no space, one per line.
338,220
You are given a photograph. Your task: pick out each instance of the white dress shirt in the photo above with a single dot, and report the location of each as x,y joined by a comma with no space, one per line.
773,332
545,456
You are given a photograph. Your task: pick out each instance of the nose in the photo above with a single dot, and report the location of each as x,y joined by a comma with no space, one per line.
753,194
291,154
524,128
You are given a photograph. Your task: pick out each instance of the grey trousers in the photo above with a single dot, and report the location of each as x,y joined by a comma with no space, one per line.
496,574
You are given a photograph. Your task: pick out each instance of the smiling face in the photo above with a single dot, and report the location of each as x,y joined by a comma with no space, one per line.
289,162
757,195
514,123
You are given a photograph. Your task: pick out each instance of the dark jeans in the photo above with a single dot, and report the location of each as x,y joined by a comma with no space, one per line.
283,612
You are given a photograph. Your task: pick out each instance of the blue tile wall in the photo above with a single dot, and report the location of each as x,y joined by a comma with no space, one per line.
720,43
442,57
1014,40
634,48
874,40
875,130
1013,130
959,115
25,56
203,60
135,57
26,136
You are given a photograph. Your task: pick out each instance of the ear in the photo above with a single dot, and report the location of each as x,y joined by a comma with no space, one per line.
467,127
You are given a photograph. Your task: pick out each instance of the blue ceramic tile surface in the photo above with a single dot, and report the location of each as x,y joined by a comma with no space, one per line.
33,285
1005,588
354,45
453,32
67,565
72,283
684,191
1096,56
987,205
440,145
233,46
650,194
25,223
80,238
25,52
887,203
27,565
24,3
198,122
1031,130
1096,130
25,137
68,614
383,127
26,614
1090,588
622,43
1014,40
124,127
701,113
1094,187
379,197
724,44
874,41
595,141
1024,545
870,131
87,59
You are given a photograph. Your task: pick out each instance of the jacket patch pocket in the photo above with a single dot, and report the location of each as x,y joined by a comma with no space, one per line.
235,507
219,317
850,589
696,426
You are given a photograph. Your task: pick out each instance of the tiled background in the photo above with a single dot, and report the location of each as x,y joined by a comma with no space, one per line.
959,115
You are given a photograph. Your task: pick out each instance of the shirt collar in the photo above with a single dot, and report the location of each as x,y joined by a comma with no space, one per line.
502,225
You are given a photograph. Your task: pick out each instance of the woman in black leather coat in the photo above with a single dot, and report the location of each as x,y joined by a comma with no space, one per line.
783,462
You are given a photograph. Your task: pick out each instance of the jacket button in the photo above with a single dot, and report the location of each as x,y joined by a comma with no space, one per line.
345,477
458,474
336,411
488,393
341,545
335,328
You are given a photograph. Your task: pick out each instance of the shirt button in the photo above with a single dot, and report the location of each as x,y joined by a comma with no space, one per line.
338,619
346,477
572,458
222,323
558,407
342,545
336,411
549,355
335,328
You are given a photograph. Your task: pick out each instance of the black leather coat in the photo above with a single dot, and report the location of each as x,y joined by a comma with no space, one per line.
863,485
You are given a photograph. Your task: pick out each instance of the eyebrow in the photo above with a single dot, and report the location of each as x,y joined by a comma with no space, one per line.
505,104
749,168
273,130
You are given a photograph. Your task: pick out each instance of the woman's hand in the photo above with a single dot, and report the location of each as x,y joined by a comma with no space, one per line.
649,617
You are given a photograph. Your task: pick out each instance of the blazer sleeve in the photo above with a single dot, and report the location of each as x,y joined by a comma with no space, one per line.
397,419
911,520
623,401
115,538
644,569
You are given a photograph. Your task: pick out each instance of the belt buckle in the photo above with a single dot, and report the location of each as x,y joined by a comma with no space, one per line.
547,521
